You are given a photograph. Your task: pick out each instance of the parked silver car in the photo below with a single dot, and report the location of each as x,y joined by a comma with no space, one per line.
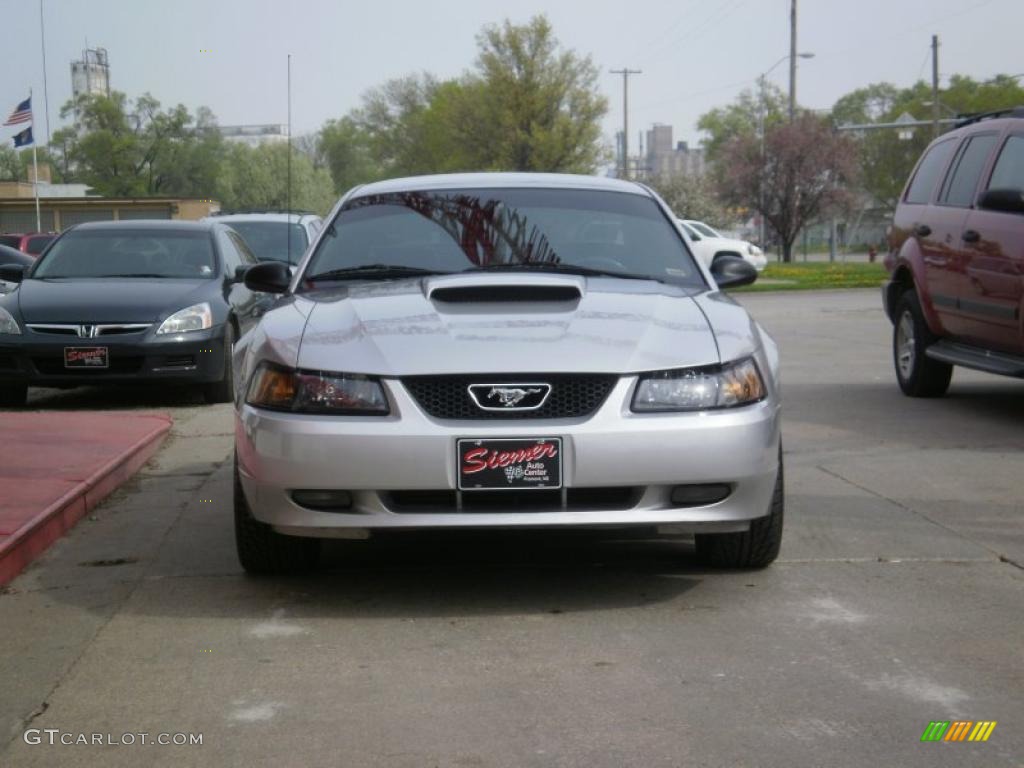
505,351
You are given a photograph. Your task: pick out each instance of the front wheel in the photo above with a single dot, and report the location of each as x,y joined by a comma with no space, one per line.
13,395
755,548
918,375
264,551
223,391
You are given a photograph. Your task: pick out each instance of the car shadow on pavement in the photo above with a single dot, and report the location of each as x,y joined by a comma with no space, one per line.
113,397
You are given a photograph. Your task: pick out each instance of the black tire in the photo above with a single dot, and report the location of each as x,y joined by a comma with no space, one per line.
918,375
13,395
755,548
223,391
264,551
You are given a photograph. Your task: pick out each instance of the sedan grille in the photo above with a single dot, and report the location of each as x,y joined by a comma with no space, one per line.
572,395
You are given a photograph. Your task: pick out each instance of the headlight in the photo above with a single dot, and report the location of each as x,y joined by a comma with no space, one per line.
198,317
7,323
697,389
282,389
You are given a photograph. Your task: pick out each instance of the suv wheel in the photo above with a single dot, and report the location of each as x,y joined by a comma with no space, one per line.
261,549
917,374
755,548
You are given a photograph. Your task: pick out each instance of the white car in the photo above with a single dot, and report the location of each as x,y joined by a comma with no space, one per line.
708,244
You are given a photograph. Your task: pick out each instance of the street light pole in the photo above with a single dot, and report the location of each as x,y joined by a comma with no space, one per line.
792,59
625,72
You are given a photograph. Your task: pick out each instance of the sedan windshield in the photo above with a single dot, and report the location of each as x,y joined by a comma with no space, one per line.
445,231
129,253
268,240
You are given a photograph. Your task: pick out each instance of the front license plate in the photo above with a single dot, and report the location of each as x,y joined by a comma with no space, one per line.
510,464
86,357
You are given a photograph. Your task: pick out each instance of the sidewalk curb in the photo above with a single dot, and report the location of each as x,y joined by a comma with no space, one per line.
34,536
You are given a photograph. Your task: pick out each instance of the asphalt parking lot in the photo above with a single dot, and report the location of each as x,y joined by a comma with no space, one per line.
897,600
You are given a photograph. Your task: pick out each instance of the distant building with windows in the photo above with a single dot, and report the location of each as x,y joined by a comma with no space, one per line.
254,135
665,159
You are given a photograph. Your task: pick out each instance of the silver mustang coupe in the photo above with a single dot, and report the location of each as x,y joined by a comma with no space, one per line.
505,351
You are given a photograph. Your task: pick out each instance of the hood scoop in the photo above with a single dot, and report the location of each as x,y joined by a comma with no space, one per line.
505,288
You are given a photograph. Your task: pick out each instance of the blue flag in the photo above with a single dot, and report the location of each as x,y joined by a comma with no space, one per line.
24,138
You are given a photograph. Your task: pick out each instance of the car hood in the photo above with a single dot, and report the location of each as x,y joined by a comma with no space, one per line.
106,300
401,328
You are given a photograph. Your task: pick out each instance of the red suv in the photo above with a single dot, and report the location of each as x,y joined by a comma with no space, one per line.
956,257
31,243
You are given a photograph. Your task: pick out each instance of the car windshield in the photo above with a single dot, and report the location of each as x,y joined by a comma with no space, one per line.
268,240
129,253
458,230
704,229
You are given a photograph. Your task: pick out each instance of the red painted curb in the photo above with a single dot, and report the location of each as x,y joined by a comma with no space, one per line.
34,536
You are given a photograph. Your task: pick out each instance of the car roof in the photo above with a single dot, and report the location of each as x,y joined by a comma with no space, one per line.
501,181
170,225
292,217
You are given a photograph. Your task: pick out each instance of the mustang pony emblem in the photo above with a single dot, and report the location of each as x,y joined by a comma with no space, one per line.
511,396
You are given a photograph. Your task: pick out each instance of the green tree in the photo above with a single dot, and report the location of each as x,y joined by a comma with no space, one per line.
742,118
693,197
257,177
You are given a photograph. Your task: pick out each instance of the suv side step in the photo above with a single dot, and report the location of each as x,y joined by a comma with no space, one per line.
974,357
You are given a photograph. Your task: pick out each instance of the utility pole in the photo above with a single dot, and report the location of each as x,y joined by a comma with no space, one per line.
625,72
935,85
792,59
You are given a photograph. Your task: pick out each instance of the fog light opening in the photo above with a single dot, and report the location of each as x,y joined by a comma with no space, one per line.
699,495
324,501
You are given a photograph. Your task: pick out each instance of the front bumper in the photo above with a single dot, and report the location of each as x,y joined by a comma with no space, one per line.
37,358
373,457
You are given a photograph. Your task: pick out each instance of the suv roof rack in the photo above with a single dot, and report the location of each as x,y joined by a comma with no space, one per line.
978,117
293,211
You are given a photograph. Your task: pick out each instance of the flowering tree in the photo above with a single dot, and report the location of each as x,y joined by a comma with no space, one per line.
804,171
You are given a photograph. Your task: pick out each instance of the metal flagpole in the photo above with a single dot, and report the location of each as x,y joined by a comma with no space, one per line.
288,183
35,165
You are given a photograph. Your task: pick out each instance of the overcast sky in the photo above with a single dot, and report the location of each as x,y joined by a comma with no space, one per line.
695,54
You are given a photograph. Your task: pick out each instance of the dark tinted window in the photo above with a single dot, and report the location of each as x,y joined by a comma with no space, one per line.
929,171
129,253
269,239
12,241
967,168
1009,170
37,244
458,230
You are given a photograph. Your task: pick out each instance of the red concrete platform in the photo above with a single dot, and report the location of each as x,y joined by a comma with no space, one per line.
56,466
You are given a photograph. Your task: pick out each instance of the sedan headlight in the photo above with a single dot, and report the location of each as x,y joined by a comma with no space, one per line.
7,323
697,389
198,317
282,389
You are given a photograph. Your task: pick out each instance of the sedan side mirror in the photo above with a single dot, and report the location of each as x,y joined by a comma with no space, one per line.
732,272
12,273
268,277
1007,200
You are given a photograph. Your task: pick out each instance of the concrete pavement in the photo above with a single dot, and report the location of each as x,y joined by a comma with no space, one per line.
896,601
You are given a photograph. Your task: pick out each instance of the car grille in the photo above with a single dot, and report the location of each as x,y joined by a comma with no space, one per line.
54,366
576,499
108,329
572,395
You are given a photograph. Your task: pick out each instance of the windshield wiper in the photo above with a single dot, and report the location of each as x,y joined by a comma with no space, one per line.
371,271
569,269
136,274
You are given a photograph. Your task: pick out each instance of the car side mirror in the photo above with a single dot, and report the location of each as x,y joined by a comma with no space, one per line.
12,273
1007,200
268,277
732,272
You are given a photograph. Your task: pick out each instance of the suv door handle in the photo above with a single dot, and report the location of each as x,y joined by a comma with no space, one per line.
922,230
971,236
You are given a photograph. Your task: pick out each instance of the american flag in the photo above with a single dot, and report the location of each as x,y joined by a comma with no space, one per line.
21,114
